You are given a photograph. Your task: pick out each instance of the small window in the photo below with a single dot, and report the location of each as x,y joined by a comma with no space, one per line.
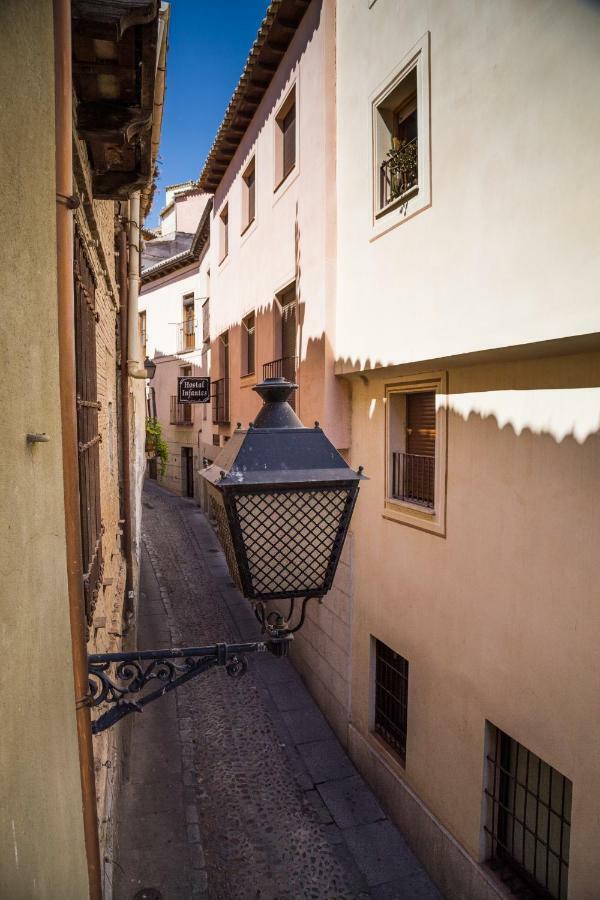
249,196
528,825
248,344
391,698
401,160
412,440
224,231
142,332
415,478
188,326
206,321
285,138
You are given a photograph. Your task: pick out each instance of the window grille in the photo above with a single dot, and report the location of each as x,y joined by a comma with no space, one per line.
88,436
391,697
181,413
413,470
529,820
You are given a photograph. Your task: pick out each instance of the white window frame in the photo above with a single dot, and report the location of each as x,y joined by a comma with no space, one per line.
419,198
403,511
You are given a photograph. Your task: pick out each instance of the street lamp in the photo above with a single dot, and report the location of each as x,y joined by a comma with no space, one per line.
282,497
150,367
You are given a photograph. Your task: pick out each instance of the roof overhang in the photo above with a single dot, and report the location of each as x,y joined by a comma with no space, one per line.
119,62
272,41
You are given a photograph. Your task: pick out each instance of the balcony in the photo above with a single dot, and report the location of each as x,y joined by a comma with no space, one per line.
413,478
281,368
220,401
181,413
399,172
186,336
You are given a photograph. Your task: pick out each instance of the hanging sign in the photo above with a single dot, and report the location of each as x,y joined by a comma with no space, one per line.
193,389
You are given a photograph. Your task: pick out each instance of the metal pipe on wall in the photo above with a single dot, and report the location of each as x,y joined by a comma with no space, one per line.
125,411
133,348
67,387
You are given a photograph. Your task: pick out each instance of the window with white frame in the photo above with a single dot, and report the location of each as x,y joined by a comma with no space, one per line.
416,451
401,156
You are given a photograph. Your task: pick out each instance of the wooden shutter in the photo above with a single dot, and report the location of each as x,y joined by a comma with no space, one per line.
420,423
88,435
288,127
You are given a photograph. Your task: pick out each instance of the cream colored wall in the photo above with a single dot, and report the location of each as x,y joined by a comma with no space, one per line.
507,253
163,302
189,209
292,237
41,829
499,620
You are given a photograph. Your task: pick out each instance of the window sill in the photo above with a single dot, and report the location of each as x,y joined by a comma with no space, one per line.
402,200
248,379
281,187
385,751
415,516
224,259
247,227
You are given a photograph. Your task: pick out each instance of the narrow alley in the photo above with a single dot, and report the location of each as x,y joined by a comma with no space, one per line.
237,788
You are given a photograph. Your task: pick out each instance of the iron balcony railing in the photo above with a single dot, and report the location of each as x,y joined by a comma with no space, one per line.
220,401
181,413
281,368
186,336
399,172
413,478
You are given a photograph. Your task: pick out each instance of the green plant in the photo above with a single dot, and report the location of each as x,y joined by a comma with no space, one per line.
402,165
156,442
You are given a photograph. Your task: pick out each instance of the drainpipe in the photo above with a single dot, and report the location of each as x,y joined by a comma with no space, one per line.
133,351
125,424
67,387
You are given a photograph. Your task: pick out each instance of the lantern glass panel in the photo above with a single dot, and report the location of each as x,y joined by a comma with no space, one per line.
291,537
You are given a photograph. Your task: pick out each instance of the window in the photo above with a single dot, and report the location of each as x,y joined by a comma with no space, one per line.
249,196
413,452
88,434
528,824
248,344
142,331
400,110
416,451
285,138
220,387
206,322
188,326
186,412
391,698
224,232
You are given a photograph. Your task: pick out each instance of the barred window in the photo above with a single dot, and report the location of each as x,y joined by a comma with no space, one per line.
528,825
88,436
391,698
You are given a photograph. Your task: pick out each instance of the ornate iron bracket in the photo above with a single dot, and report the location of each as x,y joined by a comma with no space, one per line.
133,671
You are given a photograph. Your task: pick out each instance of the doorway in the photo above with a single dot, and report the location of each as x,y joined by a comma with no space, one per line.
187,471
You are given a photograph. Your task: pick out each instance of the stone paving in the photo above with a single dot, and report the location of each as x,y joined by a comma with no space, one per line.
238,789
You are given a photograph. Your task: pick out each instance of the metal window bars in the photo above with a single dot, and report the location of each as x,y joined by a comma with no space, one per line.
186,335
220,401
413,478
391,698
399,172
529,820
181,413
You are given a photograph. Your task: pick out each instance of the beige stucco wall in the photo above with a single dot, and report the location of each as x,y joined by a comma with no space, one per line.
508,251
41,829
499,619
292,237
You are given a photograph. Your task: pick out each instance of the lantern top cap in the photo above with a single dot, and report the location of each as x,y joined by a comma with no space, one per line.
276,411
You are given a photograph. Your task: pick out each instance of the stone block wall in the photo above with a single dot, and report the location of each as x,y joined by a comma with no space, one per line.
321,650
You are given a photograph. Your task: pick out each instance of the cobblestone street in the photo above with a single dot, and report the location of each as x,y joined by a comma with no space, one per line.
238,788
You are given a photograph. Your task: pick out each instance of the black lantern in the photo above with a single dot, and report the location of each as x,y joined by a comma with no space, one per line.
282,497
150,367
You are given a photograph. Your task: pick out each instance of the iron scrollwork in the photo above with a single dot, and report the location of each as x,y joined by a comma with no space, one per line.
119,679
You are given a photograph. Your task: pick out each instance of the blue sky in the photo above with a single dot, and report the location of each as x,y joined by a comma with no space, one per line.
209,41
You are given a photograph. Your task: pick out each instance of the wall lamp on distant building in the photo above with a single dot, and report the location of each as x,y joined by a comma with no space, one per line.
282,497
150,367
